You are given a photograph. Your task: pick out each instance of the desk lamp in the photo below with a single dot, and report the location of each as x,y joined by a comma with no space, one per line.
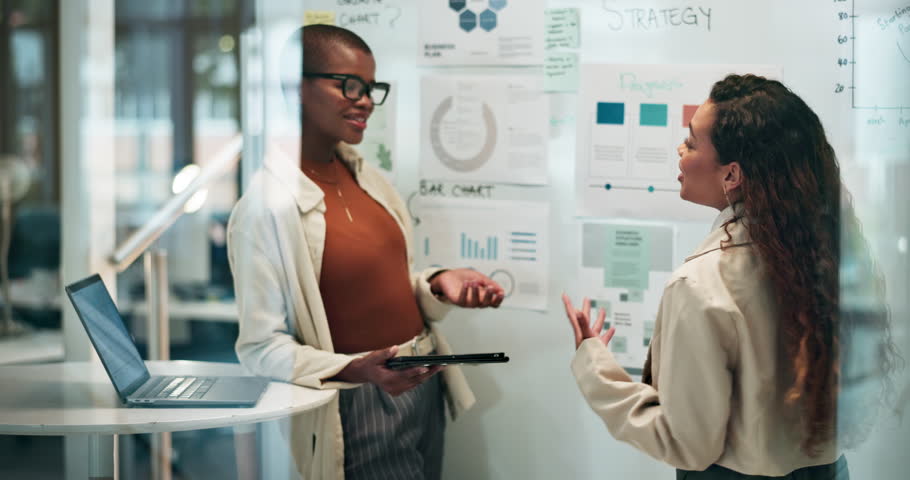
14,184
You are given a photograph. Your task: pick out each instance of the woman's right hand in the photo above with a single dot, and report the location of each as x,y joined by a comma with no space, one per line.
581,322
371,369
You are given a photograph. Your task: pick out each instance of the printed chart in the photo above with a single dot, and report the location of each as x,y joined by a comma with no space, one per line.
624,269
631,120
881,51
481,32
877,51
506,240
484,128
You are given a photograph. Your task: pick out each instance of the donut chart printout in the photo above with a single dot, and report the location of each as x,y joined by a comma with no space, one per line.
484,128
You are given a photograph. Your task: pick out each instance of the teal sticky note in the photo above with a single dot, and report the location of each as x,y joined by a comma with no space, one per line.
653,114
627,260
560,72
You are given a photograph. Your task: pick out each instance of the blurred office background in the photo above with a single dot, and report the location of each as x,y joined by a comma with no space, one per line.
167,98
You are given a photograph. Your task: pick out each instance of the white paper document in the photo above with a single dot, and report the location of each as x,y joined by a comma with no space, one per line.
624,269
505,240
484,128
631,119
480,32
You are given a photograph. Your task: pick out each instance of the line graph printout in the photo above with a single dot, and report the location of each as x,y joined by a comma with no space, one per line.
484,128
480,32
877,50
631,118
881,54
505,240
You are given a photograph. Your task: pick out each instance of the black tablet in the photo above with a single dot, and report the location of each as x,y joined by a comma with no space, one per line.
399,363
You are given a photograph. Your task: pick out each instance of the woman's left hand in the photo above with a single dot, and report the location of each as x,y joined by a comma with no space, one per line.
467,288
581,322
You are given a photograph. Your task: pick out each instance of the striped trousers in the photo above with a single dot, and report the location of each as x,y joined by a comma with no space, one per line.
388,437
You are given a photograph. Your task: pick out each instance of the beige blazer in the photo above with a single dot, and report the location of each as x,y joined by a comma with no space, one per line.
276,237
718,370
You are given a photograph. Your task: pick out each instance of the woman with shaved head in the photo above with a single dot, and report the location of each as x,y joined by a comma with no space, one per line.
320,249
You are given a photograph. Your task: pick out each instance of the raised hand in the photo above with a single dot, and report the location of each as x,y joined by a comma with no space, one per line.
581,322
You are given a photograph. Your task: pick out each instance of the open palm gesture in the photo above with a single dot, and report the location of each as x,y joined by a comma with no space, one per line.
581,321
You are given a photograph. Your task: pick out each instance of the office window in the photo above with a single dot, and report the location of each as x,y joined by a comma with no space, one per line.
28,145
177,103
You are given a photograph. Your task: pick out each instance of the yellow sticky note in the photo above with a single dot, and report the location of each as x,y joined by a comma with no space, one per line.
318,17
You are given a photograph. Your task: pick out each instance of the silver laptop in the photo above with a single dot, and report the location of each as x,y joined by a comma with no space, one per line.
131,379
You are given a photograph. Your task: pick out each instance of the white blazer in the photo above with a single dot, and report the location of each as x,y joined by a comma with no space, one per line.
276,239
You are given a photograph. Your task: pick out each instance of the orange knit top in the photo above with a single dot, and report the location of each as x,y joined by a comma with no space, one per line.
365,279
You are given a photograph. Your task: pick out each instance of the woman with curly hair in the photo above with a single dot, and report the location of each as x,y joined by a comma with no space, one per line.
744,367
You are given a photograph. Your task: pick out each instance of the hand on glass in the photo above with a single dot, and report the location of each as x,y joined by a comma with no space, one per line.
371,369
467,288
581,322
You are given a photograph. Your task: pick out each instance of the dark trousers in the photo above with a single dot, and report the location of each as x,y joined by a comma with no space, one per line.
832,471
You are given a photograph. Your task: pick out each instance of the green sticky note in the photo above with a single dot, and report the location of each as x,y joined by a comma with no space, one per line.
563,28
627,260
560,72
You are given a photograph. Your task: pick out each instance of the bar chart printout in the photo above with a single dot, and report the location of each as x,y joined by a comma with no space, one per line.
505,240
471,248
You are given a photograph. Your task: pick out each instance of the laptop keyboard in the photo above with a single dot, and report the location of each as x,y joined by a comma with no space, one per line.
181,387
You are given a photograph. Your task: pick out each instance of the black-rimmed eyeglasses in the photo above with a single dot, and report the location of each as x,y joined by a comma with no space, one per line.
354,87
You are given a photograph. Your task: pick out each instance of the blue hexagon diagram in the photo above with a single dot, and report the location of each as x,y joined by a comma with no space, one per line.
488,20
467,20
497,4
457,5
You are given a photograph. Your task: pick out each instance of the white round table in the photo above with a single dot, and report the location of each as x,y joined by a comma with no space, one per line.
78,398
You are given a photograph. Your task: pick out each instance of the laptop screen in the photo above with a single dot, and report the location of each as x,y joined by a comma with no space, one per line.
105,328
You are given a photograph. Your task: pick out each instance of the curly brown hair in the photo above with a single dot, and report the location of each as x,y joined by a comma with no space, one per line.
801,222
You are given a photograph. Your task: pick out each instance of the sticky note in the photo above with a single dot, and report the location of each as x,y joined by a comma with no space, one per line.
563,28
560,72
318,17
